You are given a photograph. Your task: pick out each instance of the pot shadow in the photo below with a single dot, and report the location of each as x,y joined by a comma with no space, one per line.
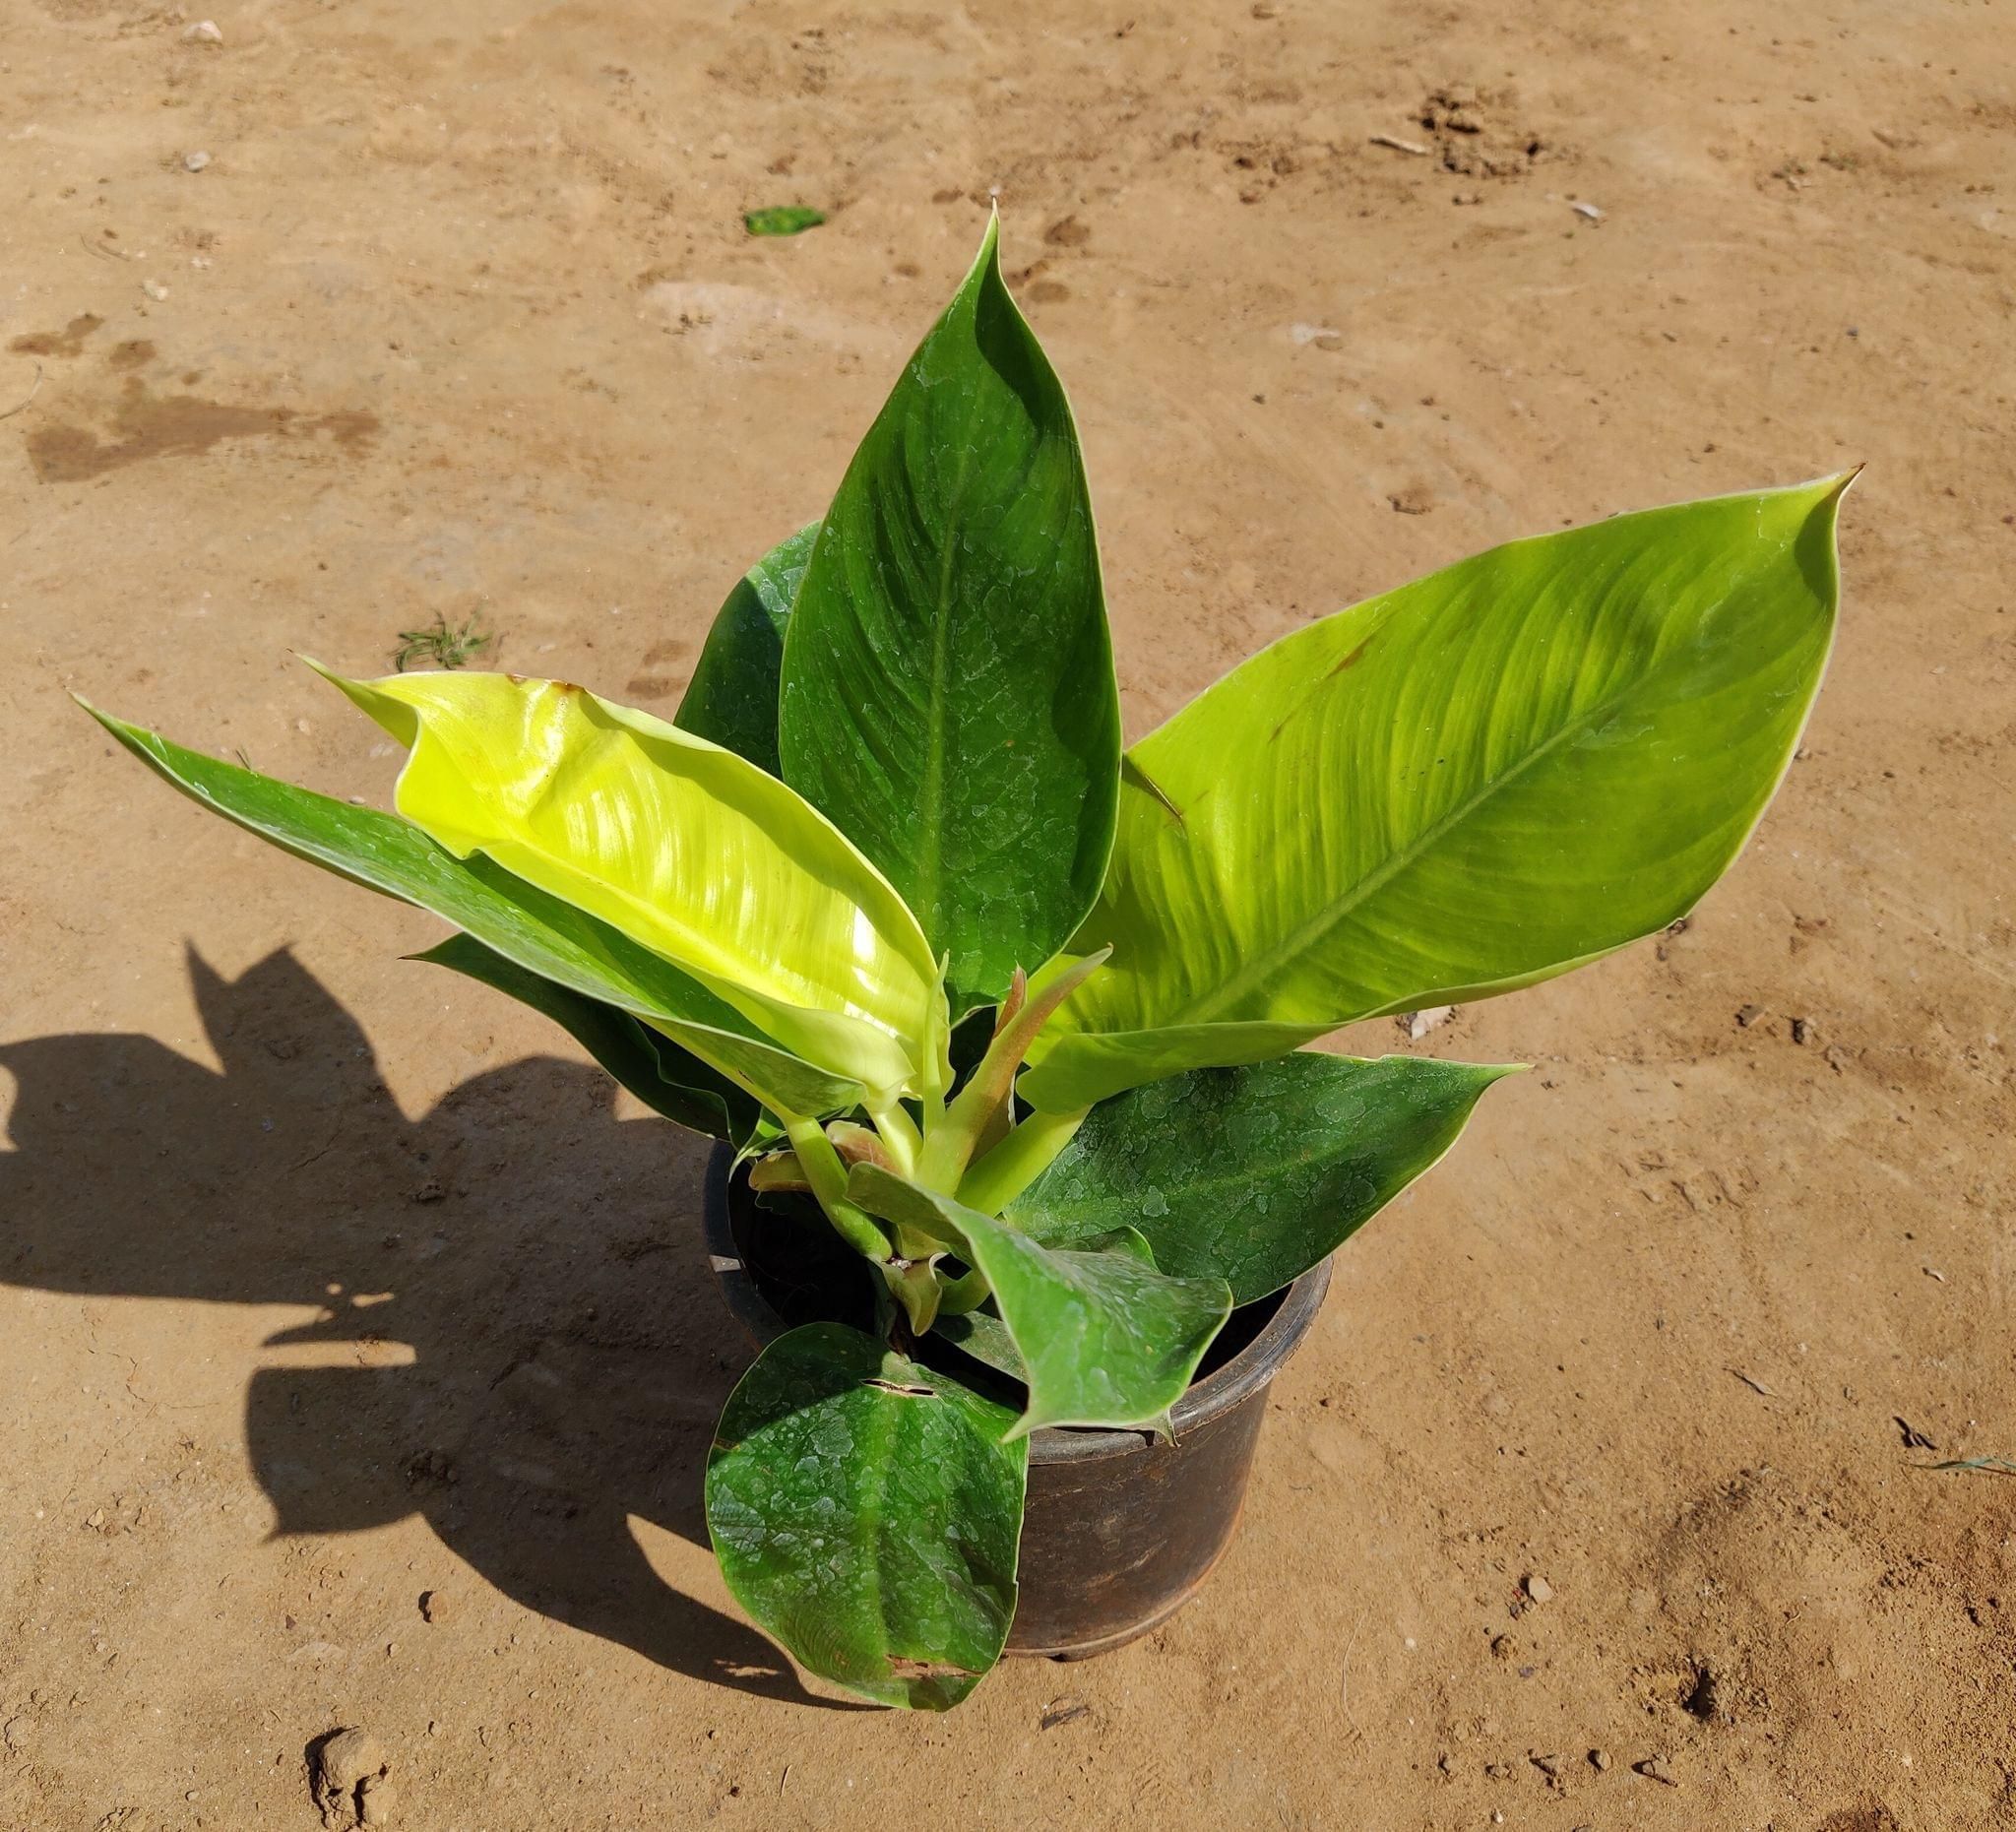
541,1257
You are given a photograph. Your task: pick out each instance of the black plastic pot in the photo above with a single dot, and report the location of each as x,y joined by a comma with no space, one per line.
1121,1530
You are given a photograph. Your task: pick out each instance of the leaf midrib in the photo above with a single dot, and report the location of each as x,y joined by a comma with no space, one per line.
1306,934
1240,1177
931,864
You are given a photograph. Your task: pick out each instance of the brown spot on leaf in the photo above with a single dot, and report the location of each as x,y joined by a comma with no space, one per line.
1350,661
905,1668
1132,772
147,425
68,342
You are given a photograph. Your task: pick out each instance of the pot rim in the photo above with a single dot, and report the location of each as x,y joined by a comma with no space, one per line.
1245,1375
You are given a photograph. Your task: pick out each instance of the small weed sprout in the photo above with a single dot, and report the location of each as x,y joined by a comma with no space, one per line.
441,646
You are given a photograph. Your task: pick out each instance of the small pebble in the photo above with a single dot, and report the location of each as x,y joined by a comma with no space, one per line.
1539,1589
204,32
1600,1760
154,289
433,1606
1587,210
1654,1768
195,161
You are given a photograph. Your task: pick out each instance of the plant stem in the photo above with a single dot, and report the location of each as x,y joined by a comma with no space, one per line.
1018,1161
916,1287
828,1177
972,1112
899,1134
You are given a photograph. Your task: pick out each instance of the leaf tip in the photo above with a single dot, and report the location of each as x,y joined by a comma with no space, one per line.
987,262
122,730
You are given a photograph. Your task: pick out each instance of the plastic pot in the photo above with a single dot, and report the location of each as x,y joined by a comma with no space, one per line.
1121,1530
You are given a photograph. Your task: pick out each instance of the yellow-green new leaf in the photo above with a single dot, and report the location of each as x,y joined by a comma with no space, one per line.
544,934
688,848
1457,789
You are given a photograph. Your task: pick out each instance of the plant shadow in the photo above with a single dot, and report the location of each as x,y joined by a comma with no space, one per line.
541,1257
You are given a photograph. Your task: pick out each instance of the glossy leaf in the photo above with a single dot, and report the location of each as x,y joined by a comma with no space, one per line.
668,1080
948,693
1105,1337
1465,785
732,699
525,925
1253,1175
684,846
866,1513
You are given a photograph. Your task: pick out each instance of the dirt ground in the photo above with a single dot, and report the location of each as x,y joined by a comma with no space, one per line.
327,1281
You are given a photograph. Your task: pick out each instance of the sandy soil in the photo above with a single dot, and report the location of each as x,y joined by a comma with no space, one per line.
327,1281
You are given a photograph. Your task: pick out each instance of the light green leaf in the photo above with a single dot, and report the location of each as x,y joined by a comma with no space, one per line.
948,693
538,932
684,846
1253,1175
667,1079
867,1512
1074,1069
1106,1339
1465,785
783,220
732,699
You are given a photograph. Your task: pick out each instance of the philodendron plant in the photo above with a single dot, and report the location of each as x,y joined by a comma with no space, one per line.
888,907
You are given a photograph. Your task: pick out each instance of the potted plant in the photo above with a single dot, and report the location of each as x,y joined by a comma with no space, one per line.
1015,1015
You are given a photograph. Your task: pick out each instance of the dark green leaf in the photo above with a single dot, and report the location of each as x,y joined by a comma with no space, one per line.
732,699
667,1079
783,220
1106,1339
948,691
982,1335
866,1513
1253,1175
